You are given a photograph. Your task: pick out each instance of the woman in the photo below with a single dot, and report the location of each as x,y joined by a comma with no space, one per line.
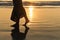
18,11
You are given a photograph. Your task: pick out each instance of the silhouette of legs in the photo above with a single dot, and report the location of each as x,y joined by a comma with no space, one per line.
25,16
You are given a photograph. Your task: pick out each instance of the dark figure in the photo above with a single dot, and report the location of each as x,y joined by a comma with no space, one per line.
18,11
17,35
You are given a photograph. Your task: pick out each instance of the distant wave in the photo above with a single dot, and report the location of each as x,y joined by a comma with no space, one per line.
32,6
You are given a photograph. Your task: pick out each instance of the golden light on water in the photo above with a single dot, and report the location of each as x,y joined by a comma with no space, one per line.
31,12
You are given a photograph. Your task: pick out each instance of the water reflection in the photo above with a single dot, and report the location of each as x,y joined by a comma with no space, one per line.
31,12
17,35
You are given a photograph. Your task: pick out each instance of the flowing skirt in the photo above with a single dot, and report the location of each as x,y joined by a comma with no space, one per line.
17,13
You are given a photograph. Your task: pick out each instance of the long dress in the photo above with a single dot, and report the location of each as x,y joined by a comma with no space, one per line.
18,10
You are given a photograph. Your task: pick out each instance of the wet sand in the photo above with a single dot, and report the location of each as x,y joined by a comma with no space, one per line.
44,26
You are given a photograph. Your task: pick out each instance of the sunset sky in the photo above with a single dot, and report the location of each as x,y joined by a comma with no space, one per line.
32,0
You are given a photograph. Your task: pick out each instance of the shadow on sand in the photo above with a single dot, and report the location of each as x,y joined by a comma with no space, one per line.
17,35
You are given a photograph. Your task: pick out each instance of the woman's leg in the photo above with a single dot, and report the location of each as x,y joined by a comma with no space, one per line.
25,16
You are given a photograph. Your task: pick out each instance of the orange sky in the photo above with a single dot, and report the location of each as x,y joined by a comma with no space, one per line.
32,0
41,0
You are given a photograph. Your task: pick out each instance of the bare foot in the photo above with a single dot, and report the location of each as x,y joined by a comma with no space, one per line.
27,21
13,25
